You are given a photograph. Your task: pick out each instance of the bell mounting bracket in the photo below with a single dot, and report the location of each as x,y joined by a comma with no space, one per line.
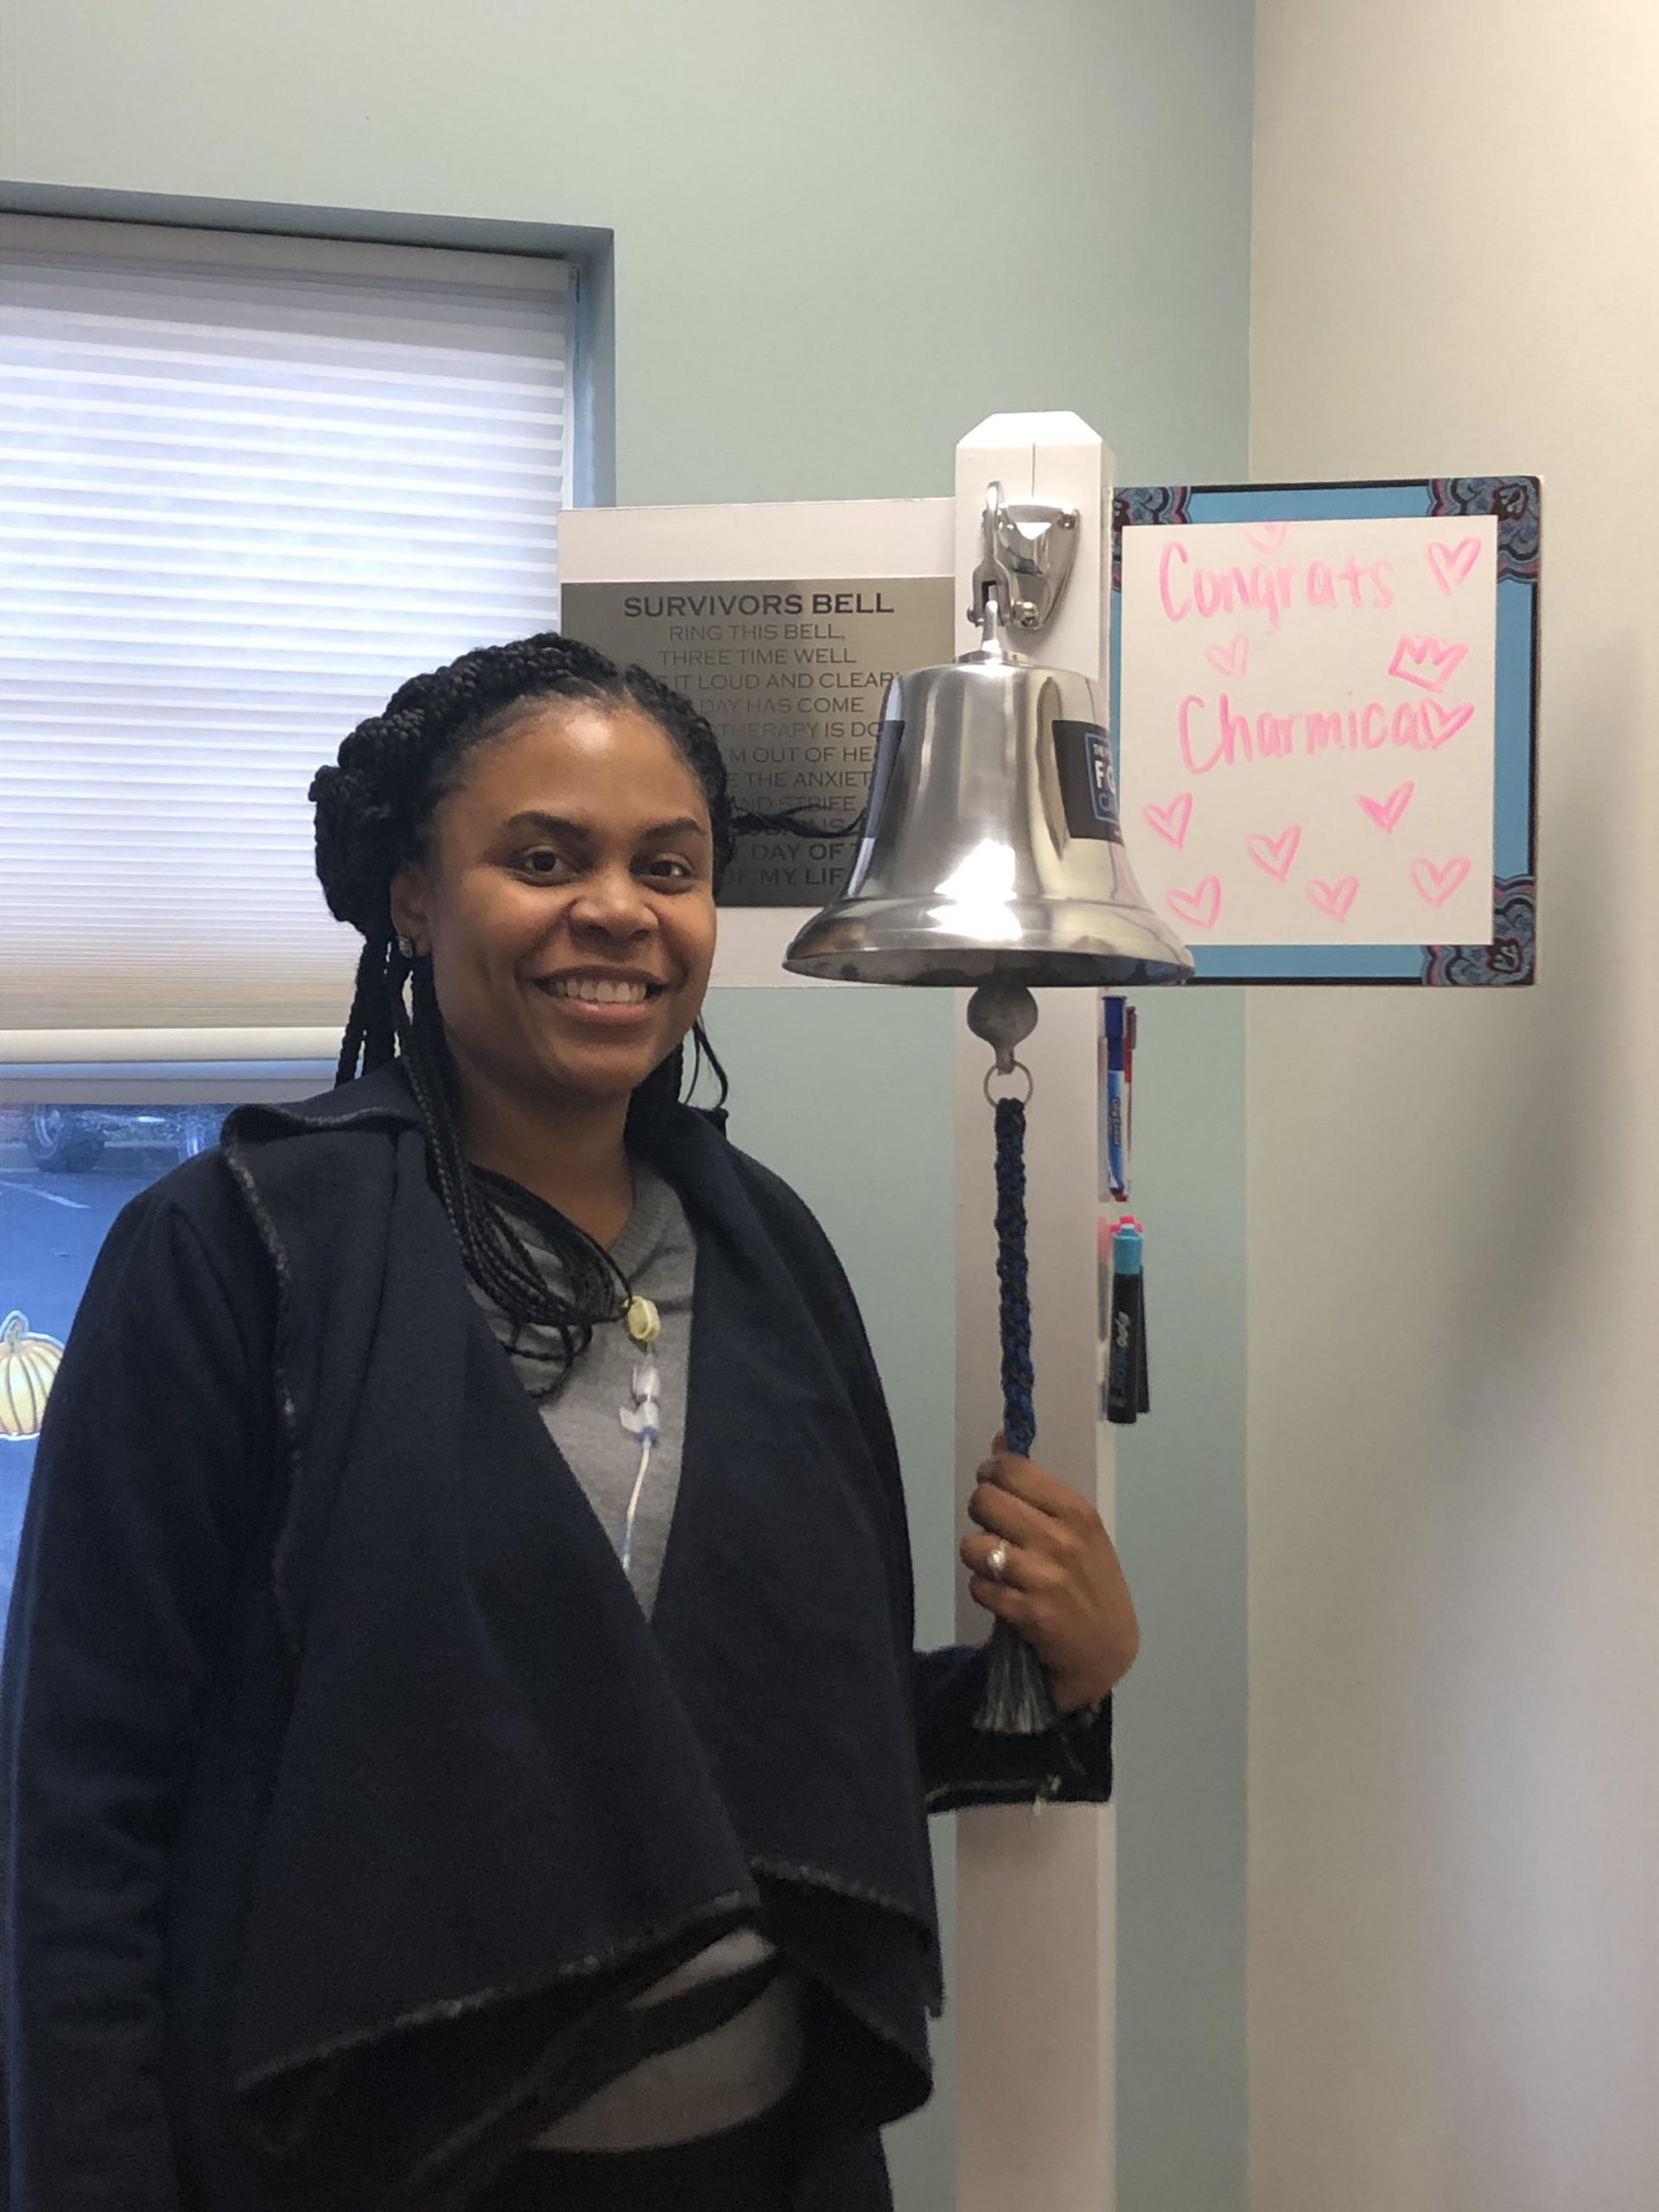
1028,548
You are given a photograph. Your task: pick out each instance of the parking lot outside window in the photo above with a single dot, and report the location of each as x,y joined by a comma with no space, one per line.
66,1173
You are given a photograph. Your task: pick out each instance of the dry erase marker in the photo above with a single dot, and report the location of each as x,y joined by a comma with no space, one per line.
1117,1100
1126,1378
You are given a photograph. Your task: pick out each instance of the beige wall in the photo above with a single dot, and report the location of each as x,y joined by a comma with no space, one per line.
1454,1203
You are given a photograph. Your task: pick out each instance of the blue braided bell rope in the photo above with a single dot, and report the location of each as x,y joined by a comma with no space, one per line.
1017,1700
1013,1275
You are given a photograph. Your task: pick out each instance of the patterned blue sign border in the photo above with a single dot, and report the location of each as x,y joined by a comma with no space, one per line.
1511,957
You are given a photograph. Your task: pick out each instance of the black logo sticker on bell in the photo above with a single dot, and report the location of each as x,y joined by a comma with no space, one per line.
1082,753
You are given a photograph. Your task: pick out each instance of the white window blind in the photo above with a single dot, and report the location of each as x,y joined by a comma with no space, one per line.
247,484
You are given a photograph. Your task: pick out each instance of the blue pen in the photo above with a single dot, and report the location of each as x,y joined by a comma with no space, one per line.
1114,1133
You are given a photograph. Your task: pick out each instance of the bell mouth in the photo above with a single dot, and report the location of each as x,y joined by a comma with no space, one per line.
1047,942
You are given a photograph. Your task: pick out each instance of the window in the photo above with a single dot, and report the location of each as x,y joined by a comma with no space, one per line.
65,1172
247,484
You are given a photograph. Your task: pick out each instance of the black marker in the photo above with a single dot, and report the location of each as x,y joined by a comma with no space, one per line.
1127,1392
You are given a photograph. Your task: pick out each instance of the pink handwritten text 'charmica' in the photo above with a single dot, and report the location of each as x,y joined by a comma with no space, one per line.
1274,854
1200,907
1170,822
1385,812
1270,588
1452,563
1220,738
1426,661
1437,884
1335,899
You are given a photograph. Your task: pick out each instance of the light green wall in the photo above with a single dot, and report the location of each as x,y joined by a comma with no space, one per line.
843,234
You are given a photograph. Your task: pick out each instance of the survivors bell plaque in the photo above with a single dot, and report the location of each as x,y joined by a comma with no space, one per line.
791,677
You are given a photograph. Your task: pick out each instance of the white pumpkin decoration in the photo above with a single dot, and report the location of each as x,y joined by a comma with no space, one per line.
29,1366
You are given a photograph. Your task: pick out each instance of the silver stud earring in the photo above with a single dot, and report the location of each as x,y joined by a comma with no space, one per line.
406,947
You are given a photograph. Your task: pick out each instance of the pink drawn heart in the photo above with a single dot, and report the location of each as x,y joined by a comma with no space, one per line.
1275,853
1334,898
1170,822
1452,563
1231,660
1441,722
1437,884
1385,812
1200,907
1425,661
1266,536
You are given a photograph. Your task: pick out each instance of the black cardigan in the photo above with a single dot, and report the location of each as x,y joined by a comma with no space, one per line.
346,1792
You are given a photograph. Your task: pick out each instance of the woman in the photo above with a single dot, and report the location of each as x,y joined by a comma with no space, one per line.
394,1816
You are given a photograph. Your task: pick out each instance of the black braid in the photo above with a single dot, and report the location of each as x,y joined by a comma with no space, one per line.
374,808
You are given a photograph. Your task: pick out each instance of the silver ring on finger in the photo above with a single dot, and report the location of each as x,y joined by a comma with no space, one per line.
996,1563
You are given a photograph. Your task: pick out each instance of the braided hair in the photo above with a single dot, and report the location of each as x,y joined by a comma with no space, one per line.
374,809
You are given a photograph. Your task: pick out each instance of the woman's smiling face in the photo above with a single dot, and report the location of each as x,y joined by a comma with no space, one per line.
567,902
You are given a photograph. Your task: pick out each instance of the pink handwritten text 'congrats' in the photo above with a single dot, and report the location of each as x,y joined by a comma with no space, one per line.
1273,589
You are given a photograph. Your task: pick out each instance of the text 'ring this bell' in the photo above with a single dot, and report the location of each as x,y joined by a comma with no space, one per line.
992,847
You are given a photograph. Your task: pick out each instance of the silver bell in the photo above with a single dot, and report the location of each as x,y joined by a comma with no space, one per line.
993,848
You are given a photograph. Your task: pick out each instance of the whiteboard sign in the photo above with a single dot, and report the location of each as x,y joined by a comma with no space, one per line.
1309,714
1307,720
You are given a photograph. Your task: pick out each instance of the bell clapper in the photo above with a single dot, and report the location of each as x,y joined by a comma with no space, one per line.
1004,1013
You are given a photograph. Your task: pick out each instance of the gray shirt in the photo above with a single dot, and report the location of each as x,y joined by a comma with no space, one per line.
657,1257
744,2068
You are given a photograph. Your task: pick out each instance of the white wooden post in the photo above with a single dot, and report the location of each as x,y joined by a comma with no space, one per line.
1036,1891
